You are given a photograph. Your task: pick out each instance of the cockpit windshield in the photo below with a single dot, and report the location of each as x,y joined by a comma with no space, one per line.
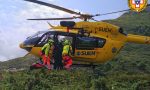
38,34
32,40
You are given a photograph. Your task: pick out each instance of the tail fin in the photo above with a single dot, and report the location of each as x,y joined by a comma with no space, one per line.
138,39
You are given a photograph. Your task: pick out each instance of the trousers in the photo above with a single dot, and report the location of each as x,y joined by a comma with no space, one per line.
46,61
67,61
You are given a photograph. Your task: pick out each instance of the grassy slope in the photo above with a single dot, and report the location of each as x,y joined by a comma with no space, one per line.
18,63
79,79
130,70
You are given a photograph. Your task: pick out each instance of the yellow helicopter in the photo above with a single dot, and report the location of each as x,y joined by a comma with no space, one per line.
92,42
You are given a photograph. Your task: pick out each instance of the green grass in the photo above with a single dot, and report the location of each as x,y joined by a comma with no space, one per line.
78,79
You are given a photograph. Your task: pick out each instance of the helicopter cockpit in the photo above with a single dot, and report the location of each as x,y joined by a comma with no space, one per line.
31,40
38,34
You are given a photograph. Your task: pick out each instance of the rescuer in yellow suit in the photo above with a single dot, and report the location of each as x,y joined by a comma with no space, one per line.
66,54
46,49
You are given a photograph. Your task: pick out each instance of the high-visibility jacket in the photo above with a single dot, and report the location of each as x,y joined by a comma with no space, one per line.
46,48
66,50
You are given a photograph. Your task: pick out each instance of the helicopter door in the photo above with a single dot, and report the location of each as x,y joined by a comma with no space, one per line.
60,38
57,52
85,47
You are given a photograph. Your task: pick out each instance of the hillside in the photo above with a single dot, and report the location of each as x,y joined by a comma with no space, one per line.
134,56
130,70
18,63
135,23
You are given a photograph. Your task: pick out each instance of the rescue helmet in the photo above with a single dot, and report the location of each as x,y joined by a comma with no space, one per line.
66,42
50,41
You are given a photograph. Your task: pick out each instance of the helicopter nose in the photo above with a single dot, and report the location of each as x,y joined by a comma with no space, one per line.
26,47
21,46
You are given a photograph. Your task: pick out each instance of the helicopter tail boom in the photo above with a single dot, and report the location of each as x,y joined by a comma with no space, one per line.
138,39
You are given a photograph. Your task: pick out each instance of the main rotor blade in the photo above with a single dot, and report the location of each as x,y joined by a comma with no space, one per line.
94,19
68,18
115,12
112,12
54,6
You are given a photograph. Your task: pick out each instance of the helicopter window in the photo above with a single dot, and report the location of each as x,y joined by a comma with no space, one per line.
86,43
101,42
32,40
38,34
45,39
62,38
89,43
